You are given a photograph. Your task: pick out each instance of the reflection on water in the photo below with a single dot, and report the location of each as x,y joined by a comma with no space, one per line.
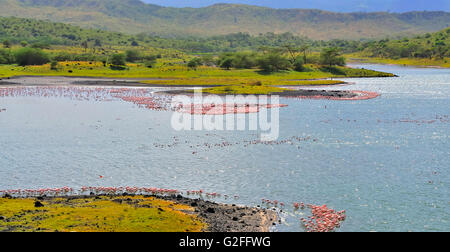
385,161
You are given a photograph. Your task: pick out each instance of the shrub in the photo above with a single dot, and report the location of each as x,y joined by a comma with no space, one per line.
31,56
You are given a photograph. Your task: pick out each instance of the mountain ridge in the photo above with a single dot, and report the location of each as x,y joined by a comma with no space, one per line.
134,16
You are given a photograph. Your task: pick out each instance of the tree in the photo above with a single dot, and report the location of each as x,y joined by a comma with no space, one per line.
304,49
194,63
298,64
226,63
208,60
118,61
6,57
273,62
98,43
85,45
331,57
31,56
133,55
24,43
150,61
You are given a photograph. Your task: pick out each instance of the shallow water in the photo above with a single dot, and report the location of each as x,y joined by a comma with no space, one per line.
385,161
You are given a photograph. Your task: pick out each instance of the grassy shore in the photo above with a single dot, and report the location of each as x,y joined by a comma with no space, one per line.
234,81
100,214
419,62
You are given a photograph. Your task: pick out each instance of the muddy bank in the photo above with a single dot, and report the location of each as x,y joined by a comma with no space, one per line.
230,218
288,93
218,217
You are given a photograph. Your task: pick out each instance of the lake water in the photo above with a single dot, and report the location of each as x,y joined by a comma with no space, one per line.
385,161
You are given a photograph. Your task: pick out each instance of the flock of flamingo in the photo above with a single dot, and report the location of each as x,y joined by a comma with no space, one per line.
435,119
142,97
323,219
225,108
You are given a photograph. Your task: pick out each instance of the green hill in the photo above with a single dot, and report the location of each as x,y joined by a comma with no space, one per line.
17,30
430,45
133,16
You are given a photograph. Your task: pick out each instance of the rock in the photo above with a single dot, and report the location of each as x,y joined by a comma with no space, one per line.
2,217
7,196
194,204
160,209
235,218
210,210
38,204
40,198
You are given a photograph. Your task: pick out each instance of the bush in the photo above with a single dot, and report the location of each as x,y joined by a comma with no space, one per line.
31,56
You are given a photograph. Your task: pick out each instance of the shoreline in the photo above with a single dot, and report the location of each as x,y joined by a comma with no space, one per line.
343,95
218,217
386,63
312,93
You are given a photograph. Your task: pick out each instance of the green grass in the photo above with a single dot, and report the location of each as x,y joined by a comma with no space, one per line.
102,214
173,72
402,61
182,74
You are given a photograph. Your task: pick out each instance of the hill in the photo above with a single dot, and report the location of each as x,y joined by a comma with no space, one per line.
17,30
134,16
430,45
